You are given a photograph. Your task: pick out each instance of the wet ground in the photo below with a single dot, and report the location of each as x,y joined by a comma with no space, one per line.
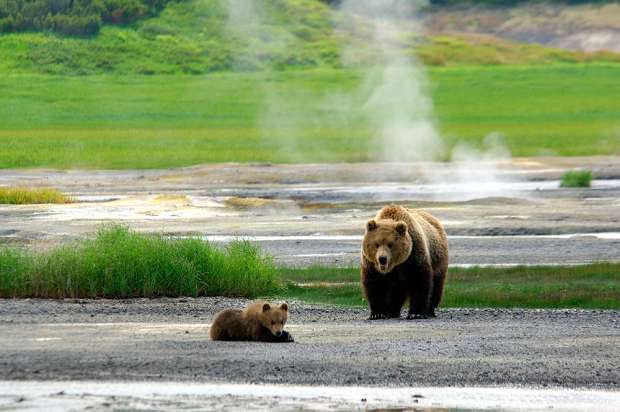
499,213
71,347
139,396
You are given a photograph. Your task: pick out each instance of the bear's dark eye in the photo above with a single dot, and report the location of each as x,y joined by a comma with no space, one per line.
376,244
390,245
273,323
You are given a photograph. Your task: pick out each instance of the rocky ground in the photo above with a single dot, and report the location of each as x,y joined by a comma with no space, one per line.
167,339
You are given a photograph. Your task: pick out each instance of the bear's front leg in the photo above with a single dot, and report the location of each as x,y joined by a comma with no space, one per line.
420,290
396,297
265,335
286,337
375,288
376,294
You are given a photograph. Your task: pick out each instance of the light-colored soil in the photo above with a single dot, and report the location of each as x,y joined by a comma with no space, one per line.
587,27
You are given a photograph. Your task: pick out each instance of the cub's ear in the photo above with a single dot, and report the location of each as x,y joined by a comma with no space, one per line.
401,228
284,307
266,307
371,225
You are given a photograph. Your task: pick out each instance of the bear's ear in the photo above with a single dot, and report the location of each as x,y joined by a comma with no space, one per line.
371,225
401,228
284,307
266,307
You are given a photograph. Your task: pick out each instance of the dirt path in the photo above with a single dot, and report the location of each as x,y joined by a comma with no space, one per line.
167,339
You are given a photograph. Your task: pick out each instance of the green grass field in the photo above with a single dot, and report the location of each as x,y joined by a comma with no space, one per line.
193,85
293,116
588,286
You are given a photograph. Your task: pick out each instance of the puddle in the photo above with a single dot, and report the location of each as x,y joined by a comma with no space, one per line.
53,396
386,192
229,238
309,255
599,235
96,198
317,237
512,265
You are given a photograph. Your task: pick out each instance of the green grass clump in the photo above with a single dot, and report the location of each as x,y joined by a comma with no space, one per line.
587,286
577,178
24,196
120,263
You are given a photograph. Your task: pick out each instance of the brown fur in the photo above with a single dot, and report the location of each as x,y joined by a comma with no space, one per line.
259,321
404,256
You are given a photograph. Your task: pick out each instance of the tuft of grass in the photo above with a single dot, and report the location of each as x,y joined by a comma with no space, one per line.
25,196
577,178
120,263
587,286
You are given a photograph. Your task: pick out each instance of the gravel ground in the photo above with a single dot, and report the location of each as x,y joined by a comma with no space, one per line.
167,339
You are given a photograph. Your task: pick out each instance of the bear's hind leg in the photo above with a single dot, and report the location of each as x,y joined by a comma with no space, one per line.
438,281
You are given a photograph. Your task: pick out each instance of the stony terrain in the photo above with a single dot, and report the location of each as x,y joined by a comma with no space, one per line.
167,339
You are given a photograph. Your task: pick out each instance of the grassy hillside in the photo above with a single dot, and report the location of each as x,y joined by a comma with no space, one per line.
290,116
201,36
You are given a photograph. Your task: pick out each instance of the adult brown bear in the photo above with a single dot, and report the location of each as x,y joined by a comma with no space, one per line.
404,256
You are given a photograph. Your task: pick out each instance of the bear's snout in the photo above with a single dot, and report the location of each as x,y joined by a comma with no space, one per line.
383,261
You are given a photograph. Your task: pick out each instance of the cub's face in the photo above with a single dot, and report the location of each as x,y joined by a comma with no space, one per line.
274,318
386,244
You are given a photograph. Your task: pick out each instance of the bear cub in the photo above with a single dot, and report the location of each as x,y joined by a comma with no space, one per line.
259,321
404,257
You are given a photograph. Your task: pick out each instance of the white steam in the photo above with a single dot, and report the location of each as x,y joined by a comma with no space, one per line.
398,103
478,173
402,113
393,98
398,106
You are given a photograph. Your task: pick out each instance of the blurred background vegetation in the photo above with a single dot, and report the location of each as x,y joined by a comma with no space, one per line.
80,37
73,17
